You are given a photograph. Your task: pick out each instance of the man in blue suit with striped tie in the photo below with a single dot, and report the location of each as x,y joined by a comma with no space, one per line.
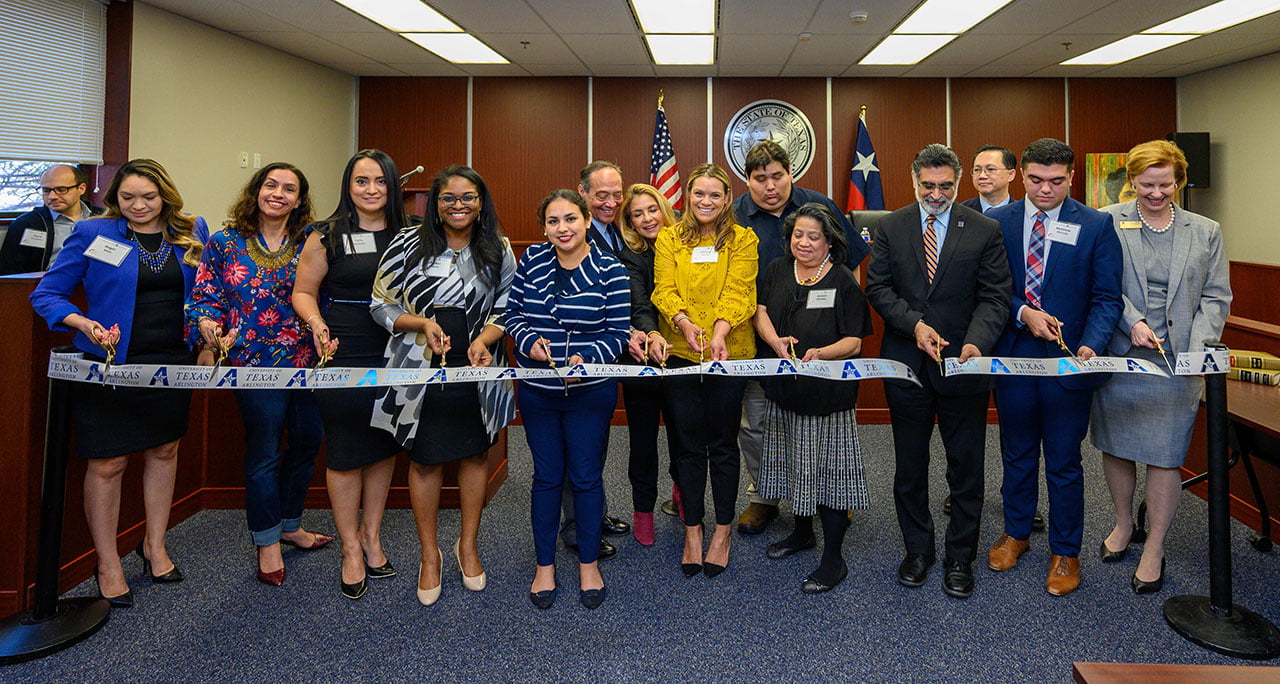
1065,259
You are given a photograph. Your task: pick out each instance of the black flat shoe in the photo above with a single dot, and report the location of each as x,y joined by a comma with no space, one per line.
691,569
592,598
124,600
1109,556
170,577
813,586
1141,587
543,599
355,591
789,546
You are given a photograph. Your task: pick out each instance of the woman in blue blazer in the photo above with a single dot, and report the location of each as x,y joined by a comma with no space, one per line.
569,304
137,263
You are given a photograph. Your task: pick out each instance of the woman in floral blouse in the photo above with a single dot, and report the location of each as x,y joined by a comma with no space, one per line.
241,304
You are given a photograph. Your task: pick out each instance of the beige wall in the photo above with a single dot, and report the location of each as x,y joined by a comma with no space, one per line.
200,97
1237,105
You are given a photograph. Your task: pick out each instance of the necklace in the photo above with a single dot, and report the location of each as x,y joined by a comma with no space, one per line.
270,260
1167,226
154,261
816,277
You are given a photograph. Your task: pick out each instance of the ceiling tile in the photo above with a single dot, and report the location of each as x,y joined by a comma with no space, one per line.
608,49
833,16
542,48
578,17
367,68
752,16
304,45
754,48
382,46
575,69
226,15
472,16
440,68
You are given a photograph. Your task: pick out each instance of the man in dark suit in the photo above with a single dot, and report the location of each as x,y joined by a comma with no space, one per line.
36,237
1065,259
939,277
994,168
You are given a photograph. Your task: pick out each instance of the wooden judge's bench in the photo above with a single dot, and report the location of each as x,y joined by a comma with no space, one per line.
210,461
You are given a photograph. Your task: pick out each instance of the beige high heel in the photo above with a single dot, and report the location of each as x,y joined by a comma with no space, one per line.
473,582
428,597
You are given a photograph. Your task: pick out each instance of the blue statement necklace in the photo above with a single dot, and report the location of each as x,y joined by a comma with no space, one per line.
154,261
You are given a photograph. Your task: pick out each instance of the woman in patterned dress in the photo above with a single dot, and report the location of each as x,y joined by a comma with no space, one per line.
241,303
444,282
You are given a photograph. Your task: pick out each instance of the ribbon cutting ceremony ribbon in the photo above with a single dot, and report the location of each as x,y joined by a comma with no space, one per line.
1188,363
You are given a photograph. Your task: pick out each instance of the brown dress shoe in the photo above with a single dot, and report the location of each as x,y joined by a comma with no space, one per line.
756,518
1004,554
1064,575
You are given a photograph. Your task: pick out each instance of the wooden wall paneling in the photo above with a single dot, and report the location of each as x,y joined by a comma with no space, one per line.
1011,112
1114,114
623,114
1253,289
416,121
808,94
529,138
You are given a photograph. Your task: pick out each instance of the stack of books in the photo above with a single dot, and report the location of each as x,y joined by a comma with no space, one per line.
1254,366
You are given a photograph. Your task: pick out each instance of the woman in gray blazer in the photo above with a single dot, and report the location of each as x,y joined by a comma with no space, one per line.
1176,299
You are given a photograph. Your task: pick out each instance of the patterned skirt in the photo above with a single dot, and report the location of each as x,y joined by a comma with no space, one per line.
812,461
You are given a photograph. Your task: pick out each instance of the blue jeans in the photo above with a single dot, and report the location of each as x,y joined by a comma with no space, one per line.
567,437
275,482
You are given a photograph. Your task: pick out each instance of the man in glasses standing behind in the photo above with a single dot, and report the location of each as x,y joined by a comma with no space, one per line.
36,237
994,168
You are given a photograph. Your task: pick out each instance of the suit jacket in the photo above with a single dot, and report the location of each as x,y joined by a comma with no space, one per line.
967,303
640,269
1081,287
111,291
974,203
17,258
1199,297
599,241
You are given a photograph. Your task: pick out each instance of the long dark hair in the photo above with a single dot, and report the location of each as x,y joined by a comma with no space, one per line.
344,220
486,233
244,214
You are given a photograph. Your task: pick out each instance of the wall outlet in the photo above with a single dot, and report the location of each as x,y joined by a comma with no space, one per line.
257,160
244,160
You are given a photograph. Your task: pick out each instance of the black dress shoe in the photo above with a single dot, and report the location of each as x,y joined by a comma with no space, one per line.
613,526
355,591
607,550
691,569
789,546
1141,587
1109,556
543,599
381,572
124,600
958,580
1037,523
813,586
914,569
592,598
711,569
170,577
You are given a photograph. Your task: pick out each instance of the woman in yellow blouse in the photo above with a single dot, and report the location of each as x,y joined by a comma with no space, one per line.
705,292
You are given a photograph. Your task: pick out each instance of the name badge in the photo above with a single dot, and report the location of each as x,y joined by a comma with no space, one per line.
1066,233
821,299
440,267
107,251
34,238
704,255
361,243
1130,225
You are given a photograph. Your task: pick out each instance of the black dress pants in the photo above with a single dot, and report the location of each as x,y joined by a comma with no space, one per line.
703,413
643,398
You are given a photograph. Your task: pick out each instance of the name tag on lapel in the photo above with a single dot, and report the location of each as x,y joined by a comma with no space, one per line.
1066,233
107,251
361,243
34,238
1130,225
704,255
440,267
821,299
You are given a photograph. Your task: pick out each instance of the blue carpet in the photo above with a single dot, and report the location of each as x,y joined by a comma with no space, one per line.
749,624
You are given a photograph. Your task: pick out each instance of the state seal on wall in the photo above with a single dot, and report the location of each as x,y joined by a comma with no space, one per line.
781,122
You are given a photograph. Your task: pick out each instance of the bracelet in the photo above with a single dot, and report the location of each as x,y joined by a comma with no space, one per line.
678,318
654,332
308,318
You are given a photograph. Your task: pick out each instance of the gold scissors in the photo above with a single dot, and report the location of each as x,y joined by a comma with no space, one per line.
1164,357
1062,344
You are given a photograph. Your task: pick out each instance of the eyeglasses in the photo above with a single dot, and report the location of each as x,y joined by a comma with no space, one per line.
57,190
930,187
979,170
469,198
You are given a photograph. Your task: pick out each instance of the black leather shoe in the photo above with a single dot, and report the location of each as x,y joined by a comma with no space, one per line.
711,569
1109,556
613,526
813,586
170,577
381,572
124,600
355,591
958,580
543,599
1141,587
914,569
789,546
1037,523
691,569
592,598
607,550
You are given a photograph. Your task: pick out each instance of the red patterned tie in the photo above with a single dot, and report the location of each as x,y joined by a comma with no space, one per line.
1035,261
930,247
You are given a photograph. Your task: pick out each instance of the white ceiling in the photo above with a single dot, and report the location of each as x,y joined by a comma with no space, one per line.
755,38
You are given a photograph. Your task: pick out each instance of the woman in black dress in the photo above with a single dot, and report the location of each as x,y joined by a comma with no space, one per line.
340,259
442,288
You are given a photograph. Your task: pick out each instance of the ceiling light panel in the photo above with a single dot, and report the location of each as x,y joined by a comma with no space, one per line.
1129,48
459,48
682,49
401,15
897,49
949,16
1217,16
676,16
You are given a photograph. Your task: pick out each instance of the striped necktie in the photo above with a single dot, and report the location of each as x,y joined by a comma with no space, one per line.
930,247
1035,261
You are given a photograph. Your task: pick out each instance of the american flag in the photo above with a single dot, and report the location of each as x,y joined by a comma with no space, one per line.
663,172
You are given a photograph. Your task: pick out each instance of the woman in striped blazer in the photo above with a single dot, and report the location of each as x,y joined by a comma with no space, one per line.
569,304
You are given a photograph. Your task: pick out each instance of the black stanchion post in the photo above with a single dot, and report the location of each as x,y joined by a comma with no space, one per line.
51,625
1215,622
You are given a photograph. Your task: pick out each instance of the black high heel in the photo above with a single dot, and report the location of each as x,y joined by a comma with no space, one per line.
1142,587
124,600
690,569
170,577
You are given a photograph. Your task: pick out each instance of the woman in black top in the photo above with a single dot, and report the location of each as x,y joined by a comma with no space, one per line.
810,301
341,258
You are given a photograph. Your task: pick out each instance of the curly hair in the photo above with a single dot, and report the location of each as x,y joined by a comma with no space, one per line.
244,214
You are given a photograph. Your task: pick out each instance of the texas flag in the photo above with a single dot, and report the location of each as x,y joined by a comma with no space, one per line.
864,178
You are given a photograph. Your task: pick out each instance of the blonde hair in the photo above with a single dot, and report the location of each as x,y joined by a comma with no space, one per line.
634,240
179,228
1156,153
687,229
